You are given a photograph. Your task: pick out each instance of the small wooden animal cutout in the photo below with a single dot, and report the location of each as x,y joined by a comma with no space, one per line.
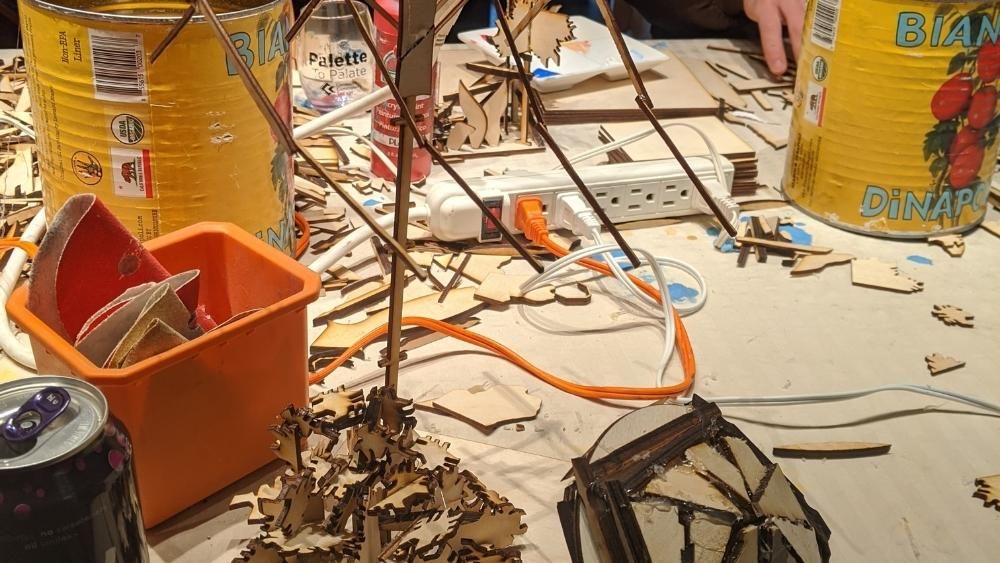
951,315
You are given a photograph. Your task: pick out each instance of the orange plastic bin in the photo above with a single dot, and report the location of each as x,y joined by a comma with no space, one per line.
198,414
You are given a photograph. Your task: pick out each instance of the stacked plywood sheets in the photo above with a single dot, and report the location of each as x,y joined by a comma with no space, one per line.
742,155
674,91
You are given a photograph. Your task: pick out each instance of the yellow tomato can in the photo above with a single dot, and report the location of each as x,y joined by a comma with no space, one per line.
169,143
894,127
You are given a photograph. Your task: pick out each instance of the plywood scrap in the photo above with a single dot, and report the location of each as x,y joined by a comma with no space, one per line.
682,482
831,450
872,272
953,316
715,85
499,289
777,498
572,294
490,407
543,30
992,227
801,539
661,529
988,491
754,84
761,100
939,363
480,266
339,336
779,245
494,107
708,461
812,263
954,245
751,467
475,116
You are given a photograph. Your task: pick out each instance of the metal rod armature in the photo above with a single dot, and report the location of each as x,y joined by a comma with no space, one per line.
173,33
646,105
536,111
285,137
410,122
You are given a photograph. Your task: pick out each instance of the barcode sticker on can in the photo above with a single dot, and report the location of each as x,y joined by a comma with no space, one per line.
119,66
824,25
131,173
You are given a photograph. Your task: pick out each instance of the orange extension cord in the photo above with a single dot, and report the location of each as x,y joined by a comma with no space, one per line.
538,233
302,243
29,248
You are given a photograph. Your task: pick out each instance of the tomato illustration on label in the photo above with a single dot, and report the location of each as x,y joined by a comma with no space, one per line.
965,107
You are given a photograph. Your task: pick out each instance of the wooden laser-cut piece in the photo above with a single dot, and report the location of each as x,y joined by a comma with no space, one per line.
661,529
480,266
751,467
299,505
339,336
492,407
951,316
424,536
259,552
475,116
778,499
249,500
954,245
543,35
573,294
287,444
802,540
499,288
413,490
497,528
493,109
308,539
434,454
872,272
811,263
831,450
988,491
706,459
761,100
683,483
939,363
992,227
781,245
709,537
459,133
748,549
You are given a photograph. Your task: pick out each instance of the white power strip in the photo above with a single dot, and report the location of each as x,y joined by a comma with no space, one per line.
630,191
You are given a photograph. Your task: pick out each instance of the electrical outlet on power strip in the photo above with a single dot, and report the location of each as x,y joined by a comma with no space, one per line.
630,191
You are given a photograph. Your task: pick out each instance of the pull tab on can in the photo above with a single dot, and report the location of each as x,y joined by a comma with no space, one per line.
35,414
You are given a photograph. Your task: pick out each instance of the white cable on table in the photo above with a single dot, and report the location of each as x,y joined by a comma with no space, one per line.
15,349
359,235
778,400
573,257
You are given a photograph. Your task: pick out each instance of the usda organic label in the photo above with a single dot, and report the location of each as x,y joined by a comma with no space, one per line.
127,128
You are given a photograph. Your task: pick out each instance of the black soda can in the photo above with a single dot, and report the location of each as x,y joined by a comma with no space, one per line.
67,489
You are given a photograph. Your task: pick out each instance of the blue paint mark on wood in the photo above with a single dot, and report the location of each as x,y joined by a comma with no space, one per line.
371,202
797,233
917,259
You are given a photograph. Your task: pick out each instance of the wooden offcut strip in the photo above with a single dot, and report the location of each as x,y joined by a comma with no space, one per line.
779,245
831,450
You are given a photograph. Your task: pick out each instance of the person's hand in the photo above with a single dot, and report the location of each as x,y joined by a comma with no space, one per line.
770,16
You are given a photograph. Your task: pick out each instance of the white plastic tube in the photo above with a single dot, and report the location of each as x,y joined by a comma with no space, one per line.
15,349
362,104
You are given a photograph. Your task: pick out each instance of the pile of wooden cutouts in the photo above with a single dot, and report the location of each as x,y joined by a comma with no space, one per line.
20,188
476,120
693,488
363,485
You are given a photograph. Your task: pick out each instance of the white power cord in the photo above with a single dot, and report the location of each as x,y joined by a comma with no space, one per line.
15,349
359,236
777,400
362,104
